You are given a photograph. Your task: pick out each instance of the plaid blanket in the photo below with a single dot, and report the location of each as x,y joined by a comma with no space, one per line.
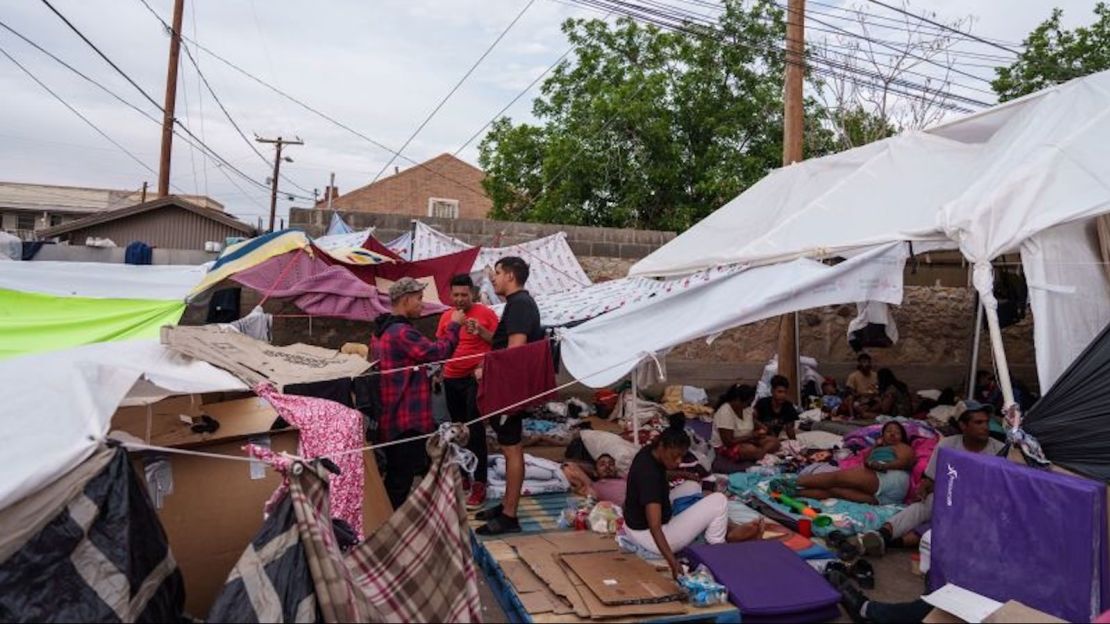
417,567
90,549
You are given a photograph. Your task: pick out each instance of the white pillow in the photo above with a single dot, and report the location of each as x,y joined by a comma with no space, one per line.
600,443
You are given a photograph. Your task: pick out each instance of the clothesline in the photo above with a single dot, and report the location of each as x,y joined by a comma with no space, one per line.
416,367
165,449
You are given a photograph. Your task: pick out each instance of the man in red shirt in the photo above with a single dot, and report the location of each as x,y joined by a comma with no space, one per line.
460,386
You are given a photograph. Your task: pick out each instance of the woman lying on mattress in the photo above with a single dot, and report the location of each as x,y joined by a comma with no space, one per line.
647,503
883,479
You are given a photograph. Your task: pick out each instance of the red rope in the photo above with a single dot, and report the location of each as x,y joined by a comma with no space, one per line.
273,286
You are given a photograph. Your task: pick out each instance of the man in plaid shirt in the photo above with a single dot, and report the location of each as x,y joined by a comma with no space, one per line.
407,394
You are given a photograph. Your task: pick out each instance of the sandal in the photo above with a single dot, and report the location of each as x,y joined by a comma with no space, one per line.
489,513
864,574
499,525
872,543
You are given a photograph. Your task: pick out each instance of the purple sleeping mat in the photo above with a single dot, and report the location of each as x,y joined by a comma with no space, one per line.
1010,532
768,582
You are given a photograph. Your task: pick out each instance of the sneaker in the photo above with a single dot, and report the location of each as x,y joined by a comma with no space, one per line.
851,598
872,544
477,496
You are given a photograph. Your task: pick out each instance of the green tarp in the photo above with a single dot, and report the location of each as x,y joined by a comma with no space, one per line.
31,322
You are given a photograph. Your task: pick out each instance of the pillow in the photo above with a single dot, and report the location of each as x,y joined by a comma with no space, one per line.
600,443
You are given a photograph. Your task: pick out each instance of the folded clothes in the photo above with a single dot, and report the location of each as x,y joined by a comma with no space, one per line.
541,476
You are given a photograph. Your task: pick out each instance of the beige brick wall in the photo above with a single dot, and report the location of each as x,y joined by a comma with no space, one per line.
408,192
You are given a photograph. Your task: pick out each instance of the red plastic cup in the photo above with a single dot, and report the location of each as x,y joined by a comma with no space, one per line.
805,527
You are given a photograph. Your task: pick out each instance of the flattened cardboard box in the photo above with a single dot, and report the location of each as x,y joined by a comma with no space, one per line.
216,506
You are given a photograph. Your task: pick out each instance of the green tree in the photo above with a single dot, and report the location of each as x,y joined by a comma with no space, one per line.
1053,55
647,128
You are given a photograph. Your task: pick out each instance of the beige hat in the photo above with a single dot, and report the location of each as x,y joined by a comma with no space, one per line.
404,286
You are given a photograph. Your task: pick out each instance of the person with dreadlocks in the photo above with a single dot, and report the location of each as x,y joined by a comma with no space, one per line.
648,519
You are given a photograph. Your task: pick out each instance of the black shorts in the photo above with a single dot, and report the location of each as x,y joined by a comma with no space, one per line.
511,432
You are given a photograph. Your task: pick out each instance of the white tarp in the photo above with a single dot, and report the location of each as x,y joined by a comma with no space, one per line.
344,241
337,225
11,247
601,351
57,404
875,194
553,266
1069,292
102,279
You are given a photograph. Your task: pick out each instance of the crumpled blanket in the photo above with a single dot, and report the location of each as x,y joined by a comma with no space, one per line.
848,517
541,476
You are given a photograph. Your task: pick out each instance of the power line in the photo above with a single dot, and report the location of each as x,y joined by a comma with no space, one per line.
329,118
184,128
660,18
200,99
76,112
455,88
944,26
219,102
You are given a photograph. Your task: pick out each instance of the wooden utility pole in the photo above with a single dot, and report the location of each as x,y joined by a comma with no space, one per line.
171,100
278,143
793,132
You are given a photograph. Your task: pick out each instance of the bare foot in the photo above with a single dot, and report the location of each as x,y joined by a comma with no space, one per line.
746,531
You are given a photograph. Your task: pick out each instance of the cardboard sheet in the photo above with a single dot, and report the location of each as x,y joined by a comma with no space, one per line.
541,557
254,361
599,610
620,579
530,589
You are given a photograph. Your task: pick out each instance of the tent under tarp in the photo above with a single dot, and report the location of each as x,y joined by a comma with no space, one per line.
46,306
58,405
1072,420
88,547
987,185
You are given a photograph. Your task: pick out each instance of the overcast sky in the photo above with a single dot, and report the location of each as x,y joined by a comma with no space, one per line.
377,66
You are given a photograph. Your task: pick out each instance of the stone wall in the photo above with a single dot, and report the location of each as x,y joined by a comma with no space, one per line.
584,241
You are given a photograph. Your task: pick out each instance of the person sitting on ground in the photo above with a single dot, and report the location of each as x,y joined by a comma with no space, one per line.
863,382
894,397
883,479
735,434
647,504
776,412
904,529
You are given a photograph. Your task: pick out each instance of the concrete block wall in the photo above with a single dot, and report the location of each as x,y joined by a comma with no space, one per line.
584,241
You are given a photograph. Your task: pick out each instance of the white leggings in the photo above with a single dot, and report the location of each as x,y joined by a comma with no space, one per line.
709,516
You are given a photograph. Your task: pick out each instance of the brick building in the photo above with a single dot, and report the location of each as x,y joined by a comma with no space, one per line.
444,186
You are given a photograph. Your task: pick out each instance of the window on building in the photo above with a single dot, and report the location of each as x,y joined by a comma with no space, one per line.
25,221
56,219
443,208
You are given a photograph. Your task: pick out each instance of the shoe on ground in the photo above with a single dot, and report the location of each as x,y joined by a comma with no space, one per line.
872,544
477,496
851,598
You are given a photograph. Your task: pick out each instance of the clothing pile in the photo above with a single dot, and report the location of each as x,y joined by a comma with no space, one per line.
689,400
541,476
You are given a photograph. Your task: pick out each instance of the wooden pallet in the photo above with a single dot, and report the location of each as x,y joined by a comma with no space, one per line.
489,554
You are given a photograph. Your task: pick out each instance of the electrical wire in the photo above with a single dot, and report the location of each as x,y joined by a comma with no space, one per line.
454,89
150,99
653,17
76,112
227,114
944,26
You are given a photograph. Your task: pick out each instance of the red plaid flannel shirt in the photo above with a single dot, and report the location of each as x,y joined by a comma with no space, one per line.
407,394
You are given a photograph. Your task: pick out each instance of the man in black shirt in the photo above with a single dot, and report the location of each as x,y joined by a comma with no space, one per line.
520,325
776,412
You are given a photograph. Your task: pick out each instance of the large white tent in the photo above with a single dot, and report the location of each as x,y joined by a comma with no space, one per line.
1027,176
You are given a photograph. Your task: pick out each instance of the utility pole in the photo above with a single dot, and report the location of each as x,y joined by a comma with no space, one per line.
278,143
171,100
331,189
793,128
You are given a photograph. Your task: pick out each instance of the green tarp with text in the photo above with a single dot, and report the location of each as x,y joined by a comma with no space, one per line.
31,322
